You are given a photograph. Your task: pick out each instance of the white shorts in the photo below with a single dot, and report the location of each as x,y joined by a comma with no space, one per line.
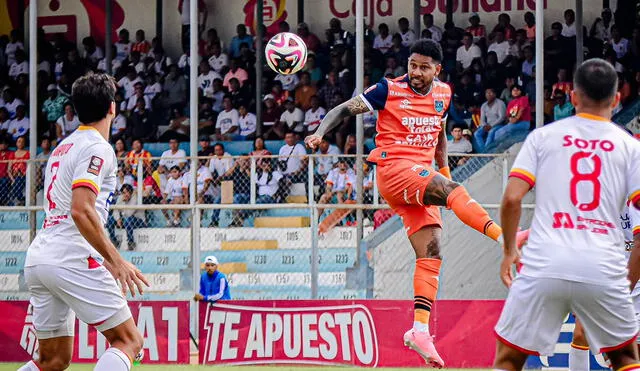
532,316
58,292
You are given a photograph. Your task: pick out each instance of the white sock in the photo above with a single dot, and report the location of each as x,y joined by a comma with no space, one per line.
421,327
113,359
578,359
31,366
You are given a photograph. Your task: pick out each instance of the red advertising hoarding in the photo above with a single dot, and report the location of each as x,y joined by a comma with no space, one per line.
364,333
163,324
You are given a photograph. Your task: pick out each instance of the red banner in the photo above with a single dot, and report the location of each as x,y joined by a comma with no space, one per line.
163,324
337,332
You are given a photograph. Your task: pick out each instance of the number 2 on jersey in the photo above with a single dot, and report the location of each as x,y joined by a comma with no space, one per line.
54,173
591,177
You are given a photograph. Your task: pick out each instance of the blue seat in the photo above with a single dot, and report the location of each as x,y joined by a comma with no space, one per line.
273,146
287,212
156,149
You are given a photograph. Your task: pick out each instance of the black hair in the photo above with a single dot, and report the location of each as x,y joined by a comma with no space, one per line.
175,167
383,26
427,48
597,80
459,126
127,187
556,25
403,19
139,140
92,95
468,34
219,144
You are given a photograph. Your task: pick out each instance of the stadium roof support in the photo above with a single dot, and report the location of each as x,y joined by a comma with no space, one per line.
33,112
416,18
540,63
579,34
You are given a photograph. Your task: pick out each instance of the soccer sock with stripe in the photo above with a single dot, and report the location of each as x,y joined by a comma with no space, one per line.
113,359
425,289
578,358
472,214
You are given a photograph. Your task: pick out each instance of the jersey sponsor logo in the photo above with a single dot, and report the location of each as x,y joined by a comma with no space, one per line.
424,173
441,96
405,104
401,94
438,105
95,165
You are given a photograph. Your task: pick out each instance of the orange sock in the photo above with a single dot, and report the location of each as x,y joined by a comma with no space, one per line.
425,289
472,214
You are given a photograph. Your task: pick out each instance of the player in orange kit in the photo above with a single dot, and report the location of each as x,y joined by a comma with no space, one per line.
410,135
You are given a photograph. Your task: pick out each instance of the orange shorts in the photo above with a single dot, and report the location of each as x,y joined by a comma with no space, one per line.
402,184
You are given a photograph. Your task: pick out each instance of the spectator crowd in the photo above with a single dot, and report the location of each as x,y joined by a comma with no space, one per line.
491,69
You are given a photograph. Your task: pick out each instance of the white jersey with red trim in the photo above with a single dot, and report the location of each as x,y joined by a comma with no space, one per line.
583,168
84,159
630,225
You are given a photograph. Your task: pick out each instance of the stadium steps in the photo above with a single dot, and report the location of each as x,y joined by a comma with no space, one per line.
250,245
282,222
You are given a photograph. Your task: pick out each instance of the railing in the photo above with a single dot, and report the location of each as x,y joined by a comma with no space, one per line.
267,242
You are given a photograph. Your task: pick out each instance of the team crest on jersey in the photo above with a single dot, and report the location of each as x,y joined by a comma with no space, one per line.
438,105
95,165
405,104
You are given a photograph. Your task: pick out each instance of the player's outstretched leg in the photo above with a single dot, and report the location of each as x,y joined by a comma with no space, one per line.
443,192
426,244
126,343
579,351
508,358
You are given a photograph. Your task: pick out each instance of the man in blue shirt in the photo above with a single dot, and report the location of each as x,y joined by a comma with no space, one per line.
236,41
214,285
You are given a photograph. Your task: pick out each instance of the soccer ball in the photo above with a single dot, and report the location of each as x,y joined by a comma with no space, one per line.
286,53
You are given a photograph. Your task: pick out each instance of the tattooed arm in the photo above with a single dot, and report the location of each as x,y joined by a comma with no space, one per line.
334,117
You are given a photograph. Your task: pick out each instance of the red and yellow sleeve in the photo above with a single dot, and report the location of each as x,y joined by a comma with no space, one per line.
524,175
635,198
87,183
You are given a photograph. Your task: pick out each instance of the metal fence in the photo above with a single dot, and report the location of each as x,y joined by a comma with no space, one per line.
259,216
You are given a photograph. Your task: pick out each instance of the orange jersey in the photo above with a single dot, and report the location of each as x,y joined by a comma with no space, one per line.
409,123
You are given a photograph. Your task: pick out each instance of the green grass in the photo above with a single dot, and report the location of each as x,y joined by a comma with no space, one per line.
89,367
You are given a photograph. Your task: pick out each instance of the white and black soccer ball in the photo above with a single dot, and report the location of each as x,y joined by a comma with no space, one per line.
286,53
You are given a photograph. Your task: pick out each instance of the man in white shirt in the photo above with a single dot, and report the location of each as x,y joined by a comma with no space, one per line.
574,260
247,123
128,82
569,25
205,79
129,219
119,125
293,117
500,46
339,185
293,159
467,53
408,36
314,115
174,156
384,40
218,60
619,44
71,268
436,32
123,45
227,121
10,102
20,66
13,46
220,166
19,126
289,82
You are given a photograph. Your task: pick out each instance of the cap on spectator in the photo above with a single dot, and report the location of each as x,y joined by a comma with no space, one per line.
204,138
211,260
52,87
466,132
268,96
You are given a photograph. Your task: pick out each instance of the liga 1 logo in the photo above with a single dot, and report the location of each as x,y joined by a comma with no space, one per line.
320,335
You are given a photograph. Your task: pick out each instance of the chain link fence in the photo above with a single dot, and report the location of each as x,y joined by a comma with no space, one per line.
259,216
